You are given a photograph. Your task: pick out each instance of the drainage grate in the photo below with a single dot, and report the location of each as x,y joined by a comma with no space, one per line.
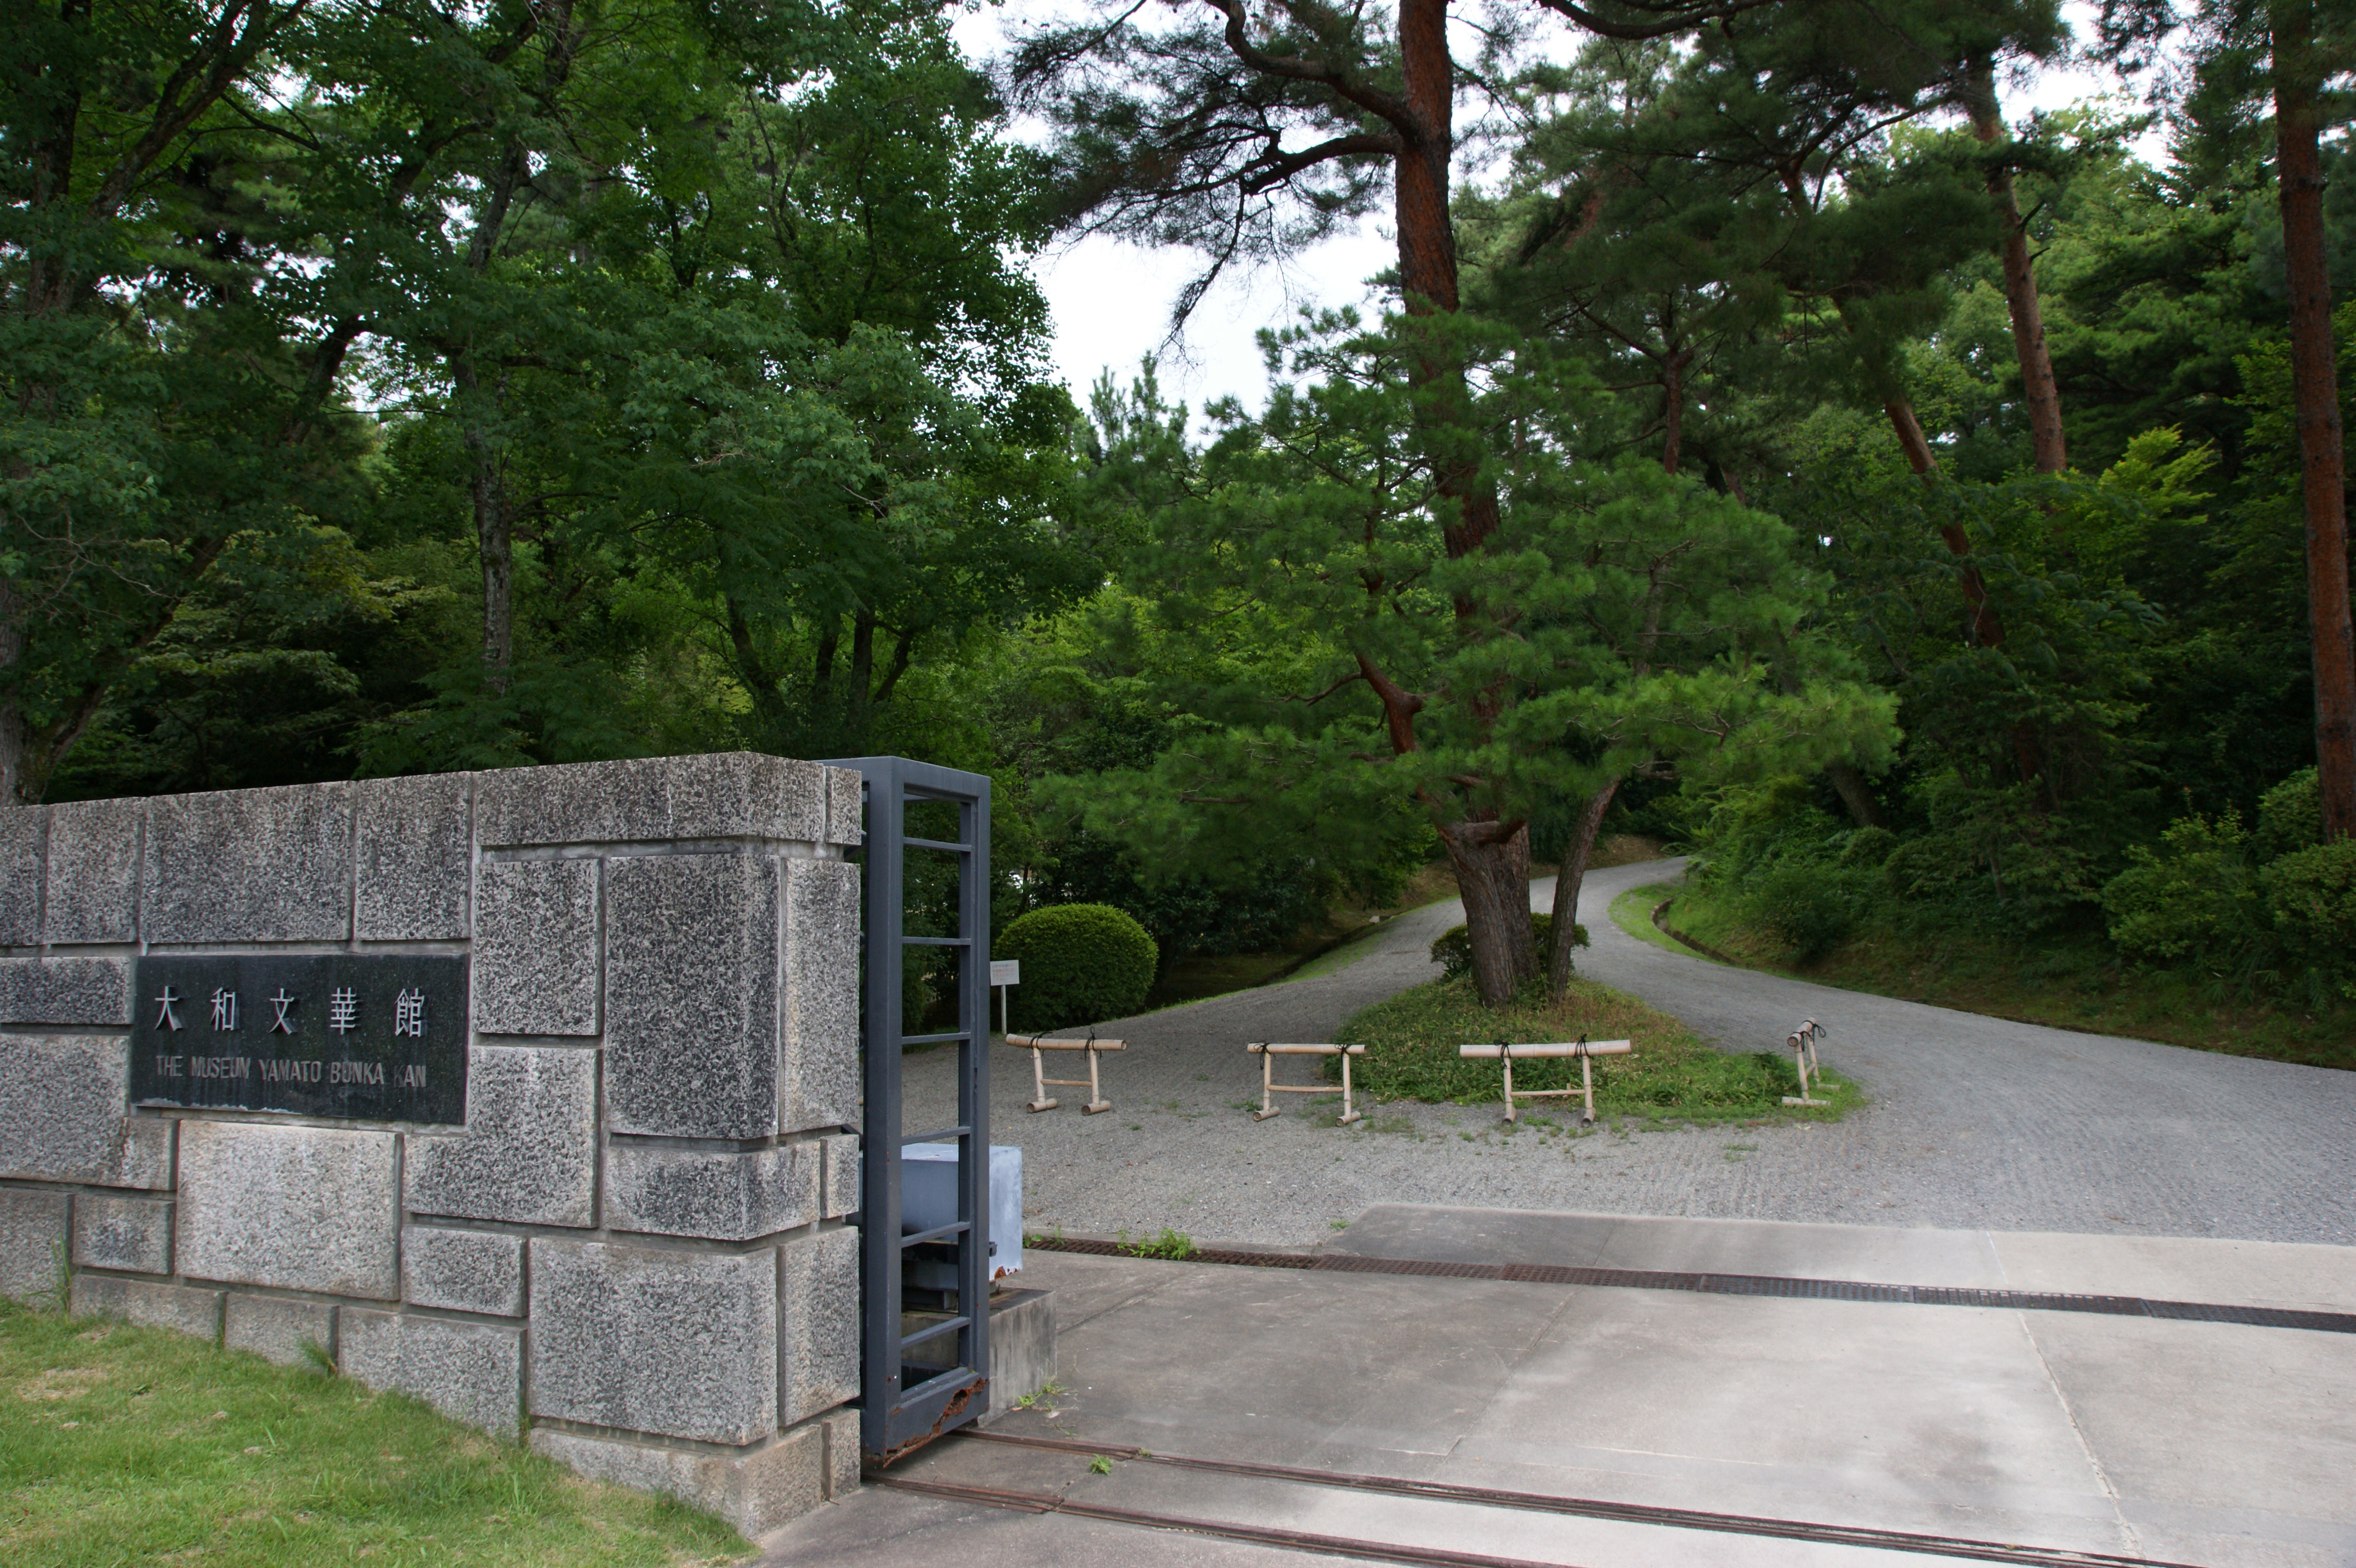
1754,1285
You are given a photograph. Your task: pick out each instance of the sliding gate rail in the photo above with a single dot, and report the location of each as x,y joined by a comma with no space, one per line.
949,1361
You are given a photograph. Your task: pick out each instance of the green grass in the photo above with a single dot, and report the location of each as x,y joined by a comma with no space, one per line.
134,1446
1674,1076
1632,913
2071,982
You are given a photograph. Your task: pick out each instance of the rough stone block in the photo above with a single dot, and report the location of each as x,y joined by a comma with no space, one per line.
299,1208
23,832
279,1328
466,1271
683,1344
536,948
720,1195
842,1429
92,892
691,995
757,1489
65,990
818,1060
185,1309
528,1154
846,807
416,854
32,1243
818,1315
469,1371
64,1096
133,1233
256,866
841,1192
724,795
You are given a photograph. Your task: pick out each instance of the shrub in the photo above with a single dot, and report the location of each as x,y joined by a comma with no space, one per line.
2290,815
1082,963
1808,906
1452,948
1868,847
2311,894
2193,899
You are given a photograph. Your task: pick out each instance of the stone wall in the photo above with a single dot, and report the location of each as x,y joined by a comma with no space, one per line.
635,1251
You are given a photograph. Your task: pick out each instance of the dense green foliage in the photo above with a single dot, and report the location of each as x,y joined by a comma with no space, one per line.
1082,963
388,389
1452,948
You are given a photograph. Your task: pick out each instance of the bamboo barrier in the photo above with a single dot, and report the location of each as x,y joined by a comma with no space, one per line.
1802,1041
1269,1089
1040,1080
1585,1050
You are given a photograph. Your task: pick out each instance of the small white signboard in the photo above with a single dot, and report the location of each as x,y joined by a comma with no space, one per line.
1006,972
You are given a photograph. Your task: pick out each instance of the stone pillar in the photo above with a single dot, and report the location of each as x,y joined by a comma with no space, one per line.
634,1253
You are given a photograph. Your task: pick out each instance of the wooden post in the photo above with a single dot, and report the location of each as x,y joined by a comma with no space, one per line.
1040,1080
1503,1054
1039,1100
1268,1051
1802,1041
1096,1101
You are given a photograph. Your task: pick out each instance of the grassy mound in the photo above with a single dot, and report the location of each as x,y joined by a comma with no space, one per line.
122,1445
1673,1075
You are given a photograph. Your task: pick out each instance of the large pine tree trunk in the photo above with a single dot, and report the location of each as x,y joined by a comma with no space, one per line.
1493,873
2042,396
1491,860
1568,877
2315,390
1926,463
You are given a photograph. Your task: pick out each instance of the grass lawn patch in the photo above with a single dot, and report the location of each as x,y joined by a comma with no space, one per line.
1674,1076
121,1444
1632,913
2070,982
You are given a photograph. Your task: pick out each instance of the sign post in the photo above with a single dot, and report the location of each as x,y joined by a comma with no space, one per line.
1003,972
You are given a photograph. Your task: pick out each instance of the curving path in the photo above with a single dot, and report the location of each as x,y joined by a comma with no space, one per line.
1975,1122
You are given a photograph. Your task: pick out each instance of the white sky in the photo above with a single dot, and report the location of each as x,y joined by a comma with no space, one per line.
1111,299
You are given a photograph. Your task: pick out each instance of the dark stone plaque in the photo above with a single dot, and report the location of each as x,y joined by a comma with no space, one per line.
372,1036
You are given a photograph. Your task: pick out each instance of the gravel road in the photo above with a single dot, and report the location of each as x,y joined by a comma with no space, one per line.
1973,1122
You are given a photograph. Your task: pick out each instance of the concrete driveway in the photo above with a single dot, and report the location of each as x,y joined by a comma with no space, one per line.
1664,1427
1973,1122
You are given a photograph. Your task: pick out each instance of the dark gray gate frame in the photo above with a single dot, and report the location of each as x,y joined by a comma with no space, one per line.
894,1418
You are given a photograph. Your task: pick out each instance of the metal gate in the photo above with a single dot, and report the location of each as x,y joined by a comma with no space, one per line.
916,1385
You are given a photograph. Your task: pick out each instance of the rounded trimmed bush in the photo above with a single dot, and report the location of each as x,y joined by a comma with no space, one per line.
1082,963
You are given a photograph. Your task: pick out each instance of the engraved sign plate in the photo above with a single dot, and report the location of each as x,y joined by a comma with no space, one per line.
371,1037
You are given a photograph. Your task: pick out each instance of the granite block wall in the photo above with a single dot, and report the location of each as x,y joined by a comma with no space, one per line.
636,1251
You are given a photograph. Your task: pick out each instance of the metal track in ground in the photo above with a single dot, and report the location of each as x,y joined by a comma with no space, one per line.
1864,1537
1257,1534
1786,1286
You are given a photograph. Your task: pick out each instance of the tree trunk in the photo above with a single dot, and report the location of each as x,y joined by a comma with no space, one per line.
1492,871
2315,386
1492,860
1985,628
1848,780
2049,450
12,716
494,540
1566,881
1673,382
